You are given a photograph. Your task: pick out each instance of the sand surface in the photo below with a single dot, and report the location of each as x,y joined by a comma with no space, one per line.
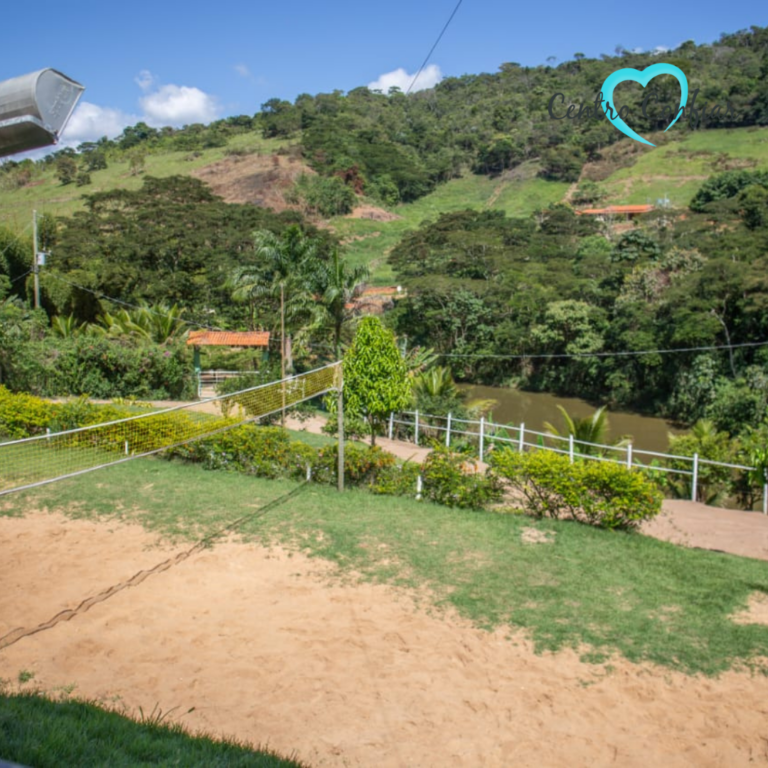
268,646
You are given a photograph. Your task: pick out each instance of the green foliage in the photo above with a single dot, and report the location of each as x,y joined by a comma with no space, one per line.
724,186
704,440
396,480
375,376
753,205
635,245
66,170
588,193
591,429
453,480
562,163
597,493
325,196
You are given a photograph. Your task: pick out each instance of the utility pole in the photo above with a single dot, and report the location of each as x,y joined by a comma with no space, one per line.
35,263
282,348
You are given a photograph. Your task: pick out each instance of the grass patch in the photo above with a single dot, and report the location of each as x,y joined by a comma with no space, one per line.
48,195
612,592
37,731
668,170
371,241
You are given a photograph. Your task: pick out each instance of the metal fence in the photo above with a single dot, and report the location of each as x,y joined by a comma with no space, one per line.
411,425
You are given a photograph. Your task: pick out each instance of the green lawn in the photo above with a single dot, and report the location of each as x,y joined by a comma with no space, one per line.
41,733
605,591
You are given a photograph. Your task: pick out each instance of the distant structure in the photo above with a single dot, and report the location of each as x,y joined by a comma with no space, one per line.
34,110
624,212
375,301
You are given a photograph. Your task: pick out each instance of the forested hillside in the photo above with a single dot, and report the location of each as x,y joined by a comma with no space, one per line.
471,194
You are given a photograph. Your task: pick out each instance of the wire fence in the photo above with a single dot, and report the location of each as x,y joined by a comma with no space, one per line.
45,458
485,435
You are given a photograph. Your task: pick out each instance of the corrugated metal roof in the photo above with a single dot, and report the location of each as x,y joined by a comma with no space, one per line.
228,339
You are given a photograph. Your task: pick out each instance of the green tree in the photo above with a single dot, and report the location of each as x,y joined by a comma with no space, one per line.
375,375
66,169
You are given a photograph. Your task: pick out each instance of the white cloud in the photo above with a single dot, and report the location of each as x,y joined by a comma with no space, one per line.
659,49
179,105
399,78
90,122
242,70
145,80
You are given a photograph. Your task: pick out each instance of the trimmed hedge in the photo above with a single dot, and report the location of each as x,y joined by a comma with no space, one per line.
598,493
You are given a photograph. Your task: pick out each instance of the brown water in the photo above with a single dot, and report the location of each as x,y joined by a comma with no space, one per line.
534,408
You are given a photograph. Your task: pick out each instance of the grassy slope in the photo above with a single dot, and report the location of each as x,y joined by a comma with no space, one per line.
606,591
36,731
669,170
47,195
673,170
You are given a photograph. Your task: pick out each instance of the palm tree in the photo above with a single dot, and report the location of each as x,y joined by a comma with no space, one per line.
66,327
286,269
591,429
159,323
436,382
337,285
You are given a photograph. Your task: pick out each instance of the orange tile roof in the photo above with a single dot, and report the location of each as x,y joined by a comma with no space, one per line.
617,209
388,291
228,339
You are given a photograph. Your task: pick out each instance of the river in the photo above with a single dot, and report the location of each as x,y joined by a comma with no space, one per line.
534,408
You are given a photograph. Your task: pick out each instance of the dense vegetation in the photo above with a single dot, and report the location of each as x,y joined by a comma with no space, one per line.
483,286
550,302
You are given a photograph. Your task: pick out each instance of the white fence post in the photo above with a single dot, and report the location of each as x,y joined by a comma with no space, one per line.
126,448
695,476
521,438
309,472
448,433
482,437
391,423
416,433
765,496
570,448
418,487
629,456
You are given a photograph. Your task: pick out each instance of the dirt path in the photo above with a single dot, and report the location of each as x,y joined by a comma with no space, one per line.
265,648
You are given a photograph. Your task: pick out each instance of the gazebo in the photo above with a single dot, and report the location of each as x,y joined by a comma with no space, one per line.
253,339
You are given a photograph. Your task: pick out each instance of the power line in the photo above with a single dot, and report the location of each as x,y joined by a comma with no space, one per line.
610,354
100,295
432,49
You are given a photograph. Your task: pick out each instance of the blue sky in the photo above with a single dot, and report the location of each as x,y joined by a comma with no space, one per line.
172,64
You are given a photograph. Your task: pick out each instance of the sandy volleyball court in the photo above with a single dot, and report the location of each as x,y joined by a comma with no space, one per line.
267,646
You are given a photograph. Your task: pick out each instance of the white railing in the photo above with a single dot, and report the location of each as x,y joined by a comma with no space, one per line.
212,378
487,435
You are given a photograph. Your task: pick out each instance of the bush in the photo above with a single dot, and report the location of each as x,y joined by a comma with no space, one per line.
597,493
362,466
260,451
396,480
449,481
23,415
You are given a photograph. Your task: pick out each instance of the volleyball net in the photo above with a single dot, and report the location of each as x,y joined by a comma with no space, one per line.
45,458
